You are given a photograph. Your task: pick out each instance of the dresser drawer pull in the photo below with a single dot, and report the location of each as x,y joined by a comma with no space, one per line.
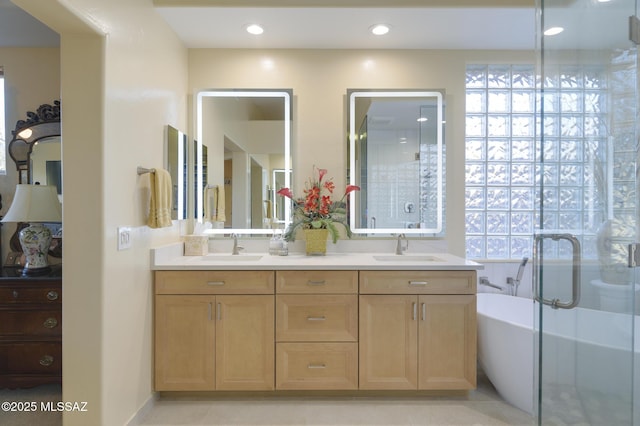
215,283
418,282
320,282
316,366
15,294
50,323
322,318
46,360
52,295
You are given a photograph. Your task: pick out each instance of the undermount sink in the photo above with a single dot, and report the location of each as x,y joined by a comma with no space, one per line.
232,258
407,258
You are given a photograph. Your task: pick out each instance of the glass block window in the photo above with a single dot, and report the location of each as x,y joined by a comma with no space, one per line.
504,169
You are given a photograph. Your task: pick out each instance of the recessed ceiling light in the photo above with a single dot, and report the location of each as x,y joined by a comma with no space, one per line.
553,31
380,29
254,29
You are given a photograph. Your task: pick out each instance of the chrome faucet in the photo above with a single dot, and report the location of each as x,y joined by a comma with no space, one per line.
400,247
236,247
485,281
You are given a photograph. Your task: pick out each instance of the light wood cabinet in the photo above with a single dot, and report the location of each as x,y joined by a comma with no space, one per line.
213,341
317,330
416,341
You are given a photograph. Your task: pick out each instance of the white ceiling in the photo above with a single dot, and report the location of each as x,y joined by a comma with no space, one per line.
324,28
448,24
19,29
316,27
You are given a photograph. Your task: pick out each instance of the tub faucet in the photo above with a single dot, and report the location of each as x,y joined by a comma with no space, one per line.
399,246
485,281
236,247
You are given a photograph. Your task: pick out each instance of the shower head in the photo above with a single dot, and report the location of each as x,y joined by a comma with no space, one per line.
521,268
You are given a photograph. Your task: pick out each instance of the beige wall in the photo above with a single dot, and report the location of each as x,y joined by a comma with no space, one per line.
32,78
320,79
123,80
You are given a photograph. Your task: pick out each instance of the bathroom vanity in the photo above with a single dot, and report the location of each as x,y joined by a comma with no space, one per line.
336,322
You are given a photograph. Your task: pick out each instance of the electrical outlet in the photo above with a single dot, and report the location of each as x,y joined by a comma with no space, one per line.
124,238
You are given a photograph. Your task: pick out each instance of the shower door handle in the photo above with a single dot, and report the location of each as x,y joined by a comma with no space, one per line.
575,271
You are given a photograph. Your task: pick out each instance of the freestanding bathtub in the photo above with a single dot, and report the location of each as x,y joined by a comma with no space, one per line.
505,346
586,349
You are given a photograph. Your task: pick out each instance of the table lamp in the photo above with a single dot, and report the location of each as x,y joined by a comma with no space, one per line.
35,204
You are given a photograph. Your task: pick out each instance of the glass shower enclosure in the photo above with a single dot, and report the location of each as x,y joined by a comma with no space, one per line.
587,190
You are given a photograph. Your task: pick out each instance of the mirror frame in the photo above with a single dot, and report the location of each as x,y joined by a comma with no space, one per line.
352,96
287,96
44,123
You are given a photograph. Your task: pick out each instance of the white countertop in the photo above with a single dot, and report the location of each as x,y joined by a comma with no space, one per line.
171,258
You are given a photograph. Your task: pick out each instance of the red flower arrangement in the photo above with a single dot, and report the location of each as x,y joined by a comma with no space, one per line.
316,210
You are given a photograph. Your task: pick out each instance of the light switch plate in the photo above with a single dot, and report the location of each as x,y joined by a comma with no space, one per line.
124,238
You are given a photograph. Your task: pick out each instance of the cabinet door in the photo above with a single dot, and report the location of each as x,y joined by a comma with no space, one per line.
184,343
447,342
388,342
245,342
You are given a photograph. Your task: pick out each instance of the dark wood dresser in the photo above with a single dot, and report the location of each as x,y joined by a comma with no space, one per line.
30,328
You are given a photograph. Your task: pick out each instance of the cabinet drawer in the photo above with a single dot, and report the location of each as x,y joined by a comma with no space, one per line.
417,282
317,366
32,358
300,282
214,282
27,323
317,318
23,294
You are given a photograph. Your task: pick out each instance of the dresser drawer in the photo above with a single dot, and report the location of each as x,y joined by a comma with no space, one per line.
214,282
301,282
417,282
20,294
317,366
29,323
31,358
317,318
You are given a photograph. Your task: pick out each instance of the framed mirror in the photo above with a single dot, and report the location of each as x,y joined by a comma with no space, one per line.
396,157
177,155
39,137
36,150
247,137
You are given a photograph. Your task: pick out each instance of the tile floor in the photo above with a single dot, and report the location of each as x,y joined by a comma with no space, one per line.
481,407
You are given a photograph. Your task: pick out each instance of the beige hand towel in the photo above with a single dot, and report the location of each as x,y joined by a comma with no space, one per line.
209,203
160,203
220,209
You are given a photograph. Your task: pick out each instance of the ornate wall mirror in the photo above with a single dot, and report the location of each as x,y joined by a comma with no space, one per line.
247,135
35,147
396,156
36,150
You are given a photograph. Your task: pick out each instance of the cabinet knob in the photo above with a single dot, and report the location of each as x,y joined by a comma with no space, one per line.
50,323
52,295
15,294
46,360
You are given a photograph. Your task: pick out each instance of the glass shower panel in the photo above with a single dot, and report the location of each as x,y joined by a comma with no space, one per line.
588,208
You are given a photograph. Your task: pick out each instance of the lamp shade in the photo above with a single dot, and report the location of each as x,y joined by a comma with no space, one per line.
34,203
